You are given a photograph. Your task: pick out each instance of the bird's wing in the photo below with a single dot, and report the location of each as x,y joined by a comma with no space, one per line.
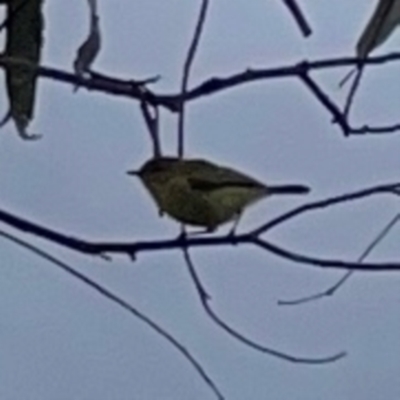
209,176
212,183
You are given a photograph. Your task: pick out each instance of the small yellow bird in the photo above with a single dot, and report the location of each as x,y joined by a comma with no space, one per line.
200,193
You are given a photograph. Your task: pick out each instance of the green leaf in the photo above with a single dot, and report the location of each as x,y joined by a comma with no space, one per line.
24,42
384,20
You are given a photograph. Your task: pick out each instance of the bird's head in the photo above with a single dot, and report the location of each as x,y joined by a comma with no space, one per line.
155,167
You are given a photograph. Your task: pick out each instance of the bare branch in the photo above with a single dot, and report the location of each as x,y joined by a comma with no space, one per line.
152,123
323,98
332,290
204,299
109,295
252,237
186,74
298,17
352,92
134,89
323,262
391,188
327,293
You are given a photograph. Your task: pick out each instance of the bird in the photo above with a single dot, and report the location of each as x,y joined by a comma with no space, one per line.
201,193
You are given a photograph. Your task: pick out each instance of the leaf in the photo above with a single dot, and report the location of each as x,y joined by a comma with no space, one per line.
384,20
90,48
24,41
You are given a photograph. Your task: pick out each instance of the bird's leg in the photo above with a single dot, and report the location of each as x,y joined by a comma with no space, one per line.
236,220
182,234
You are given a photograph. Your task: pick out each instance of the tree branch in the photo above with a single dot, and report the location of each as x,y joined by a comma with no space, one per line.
109,295
133,89
298,17
252,237
186,73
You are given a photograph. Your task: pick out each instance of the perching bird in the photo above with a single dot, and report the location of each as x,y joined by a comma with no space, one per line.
200,193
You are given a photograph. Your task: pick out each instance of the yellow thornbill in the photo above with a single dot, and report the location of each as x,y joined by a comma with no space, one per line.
200,193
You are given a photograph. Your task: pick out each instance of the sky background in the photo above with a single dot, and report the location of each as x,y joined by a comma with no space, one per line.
60,340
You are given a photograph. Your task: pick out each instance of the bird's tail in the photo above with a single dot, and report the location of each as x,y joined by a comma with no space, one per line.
288,189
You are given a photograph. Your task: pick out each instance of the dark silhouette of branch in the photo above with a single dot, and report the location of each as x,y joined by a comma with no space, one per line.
323,262
182,241
152,124
186,73
332,290
217,84
109,295
391,188
134,89
327,293
352,92
323,98
298,17
205,302
375,129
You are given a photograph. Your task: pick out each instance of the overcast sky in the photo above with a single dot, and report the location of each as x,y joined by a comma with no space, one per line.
61,340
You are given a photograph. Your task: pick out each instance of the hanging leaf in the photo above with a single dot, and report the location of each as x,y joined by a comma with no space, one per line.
384,20
24,27
89,49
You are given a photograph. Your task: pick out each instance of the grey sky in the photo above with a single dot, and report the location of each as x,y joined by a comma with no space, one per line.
59,340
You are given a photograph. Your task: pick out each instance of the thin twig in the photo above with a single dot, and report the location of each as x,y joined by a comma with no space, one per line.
324,99
298,17
391,188
332,290
132,90
186,74
323,262
152,123
250,238
352,92
204,299
109,295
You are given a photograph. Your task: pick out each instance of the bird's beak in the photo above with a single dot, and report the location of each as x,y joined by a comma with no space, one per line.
133,172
